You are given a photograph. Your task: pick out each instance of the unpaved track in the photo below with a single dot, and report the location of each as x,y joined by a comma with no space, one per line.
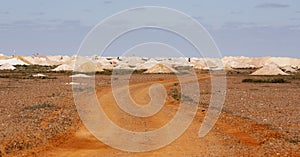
189,144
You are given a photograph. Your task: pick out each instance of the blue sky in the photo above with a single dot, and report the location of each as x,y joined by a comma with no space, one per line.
240,28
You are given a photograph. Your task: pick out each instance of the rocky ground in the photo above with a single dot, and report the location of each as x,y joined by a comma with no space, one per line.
271,104
39,114
34,112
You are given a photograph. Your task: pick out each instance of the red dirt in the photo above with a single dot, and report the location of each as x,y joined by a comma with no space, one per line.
236,133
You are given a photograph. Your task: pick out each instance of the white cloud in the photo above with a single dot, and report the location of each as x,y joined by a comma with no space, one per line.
272,5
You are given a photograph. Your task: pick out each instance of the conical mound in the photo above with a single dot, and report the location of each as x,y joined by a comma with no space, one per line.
63,67
269,70
89,67
161,68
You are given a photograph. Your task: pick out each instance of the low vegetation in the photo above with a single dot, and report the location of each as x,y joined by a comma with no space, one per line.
294,141
34,68
266,80
175,94
25,76
40,106
120,71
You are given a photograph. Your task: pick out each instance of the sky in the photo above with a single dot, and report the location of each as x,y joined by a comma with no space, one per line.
252,28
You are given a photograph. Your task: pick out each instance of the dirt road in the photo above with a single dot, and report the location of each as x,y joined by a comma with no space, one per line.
227,138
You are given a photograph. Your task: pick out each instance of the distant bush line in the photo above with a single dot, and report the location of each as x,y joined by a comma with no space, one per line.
266,80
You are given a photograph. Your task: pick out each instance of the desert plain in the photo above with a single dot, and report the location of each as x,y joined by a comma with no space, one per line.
39,117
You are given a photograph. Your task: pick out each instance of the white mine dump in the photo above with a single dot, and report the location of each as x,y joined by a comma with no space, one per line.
265,65
270,69
161,68
63,67
7,66
13,61
80,75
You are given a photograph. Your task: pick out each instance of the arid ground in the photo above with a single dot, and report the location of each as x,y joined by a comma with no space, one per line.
38,117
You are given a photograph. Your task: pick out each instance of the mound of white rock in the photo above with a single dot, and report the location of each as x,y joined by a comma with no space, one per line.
269,69
63,67
7,66
161,69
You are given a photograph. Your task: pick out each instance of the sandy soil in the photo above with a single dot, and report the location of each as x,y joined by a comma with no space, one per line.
257,119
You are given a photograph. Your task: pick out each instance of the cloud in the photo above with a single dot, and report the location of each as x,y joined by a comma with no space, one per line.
293,27
69,24
23,25
87,10
4,12
272,5
196,5
199,18
35,25
37,13
234,12
242,25
138,9
295,19
4,27
107,2
54,20
237,25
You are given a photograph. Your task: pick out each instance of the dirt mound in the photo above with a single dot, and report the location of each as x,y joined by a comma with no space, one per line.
3,57
80,75
288,68
59,59
242,62
89,67
148,64
161,68
63,67
23,59
39,75
73,83
13,61
284,61
270,69
206,63
7,66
